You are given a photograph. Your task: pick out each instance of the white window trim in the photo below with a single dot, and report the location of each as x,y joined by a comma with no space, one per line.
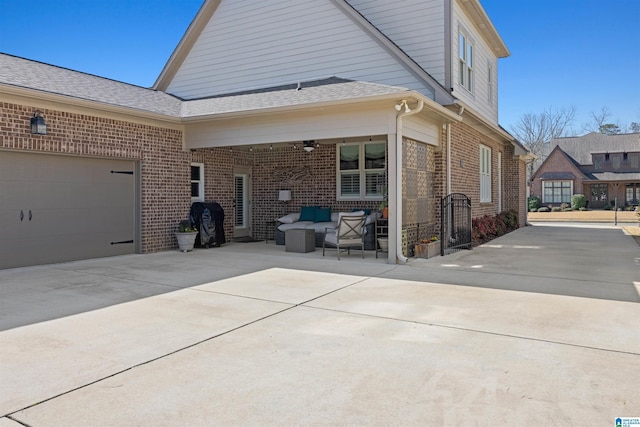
362,171
199,181
485,174
466,72
544,200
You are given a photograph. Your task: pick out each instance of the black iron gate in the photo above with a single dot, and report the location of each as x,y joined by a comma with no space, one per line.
455,220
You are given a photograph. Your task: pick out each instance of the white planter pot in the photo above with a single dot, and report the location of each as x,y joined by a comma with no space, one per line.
384,243
186,240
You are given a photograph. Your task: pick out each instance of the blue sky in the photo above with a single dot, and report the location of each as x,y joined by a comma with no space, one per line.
564,53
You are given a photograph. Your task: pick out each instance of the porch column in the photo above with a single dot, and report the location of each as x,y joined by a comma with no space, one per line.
392,196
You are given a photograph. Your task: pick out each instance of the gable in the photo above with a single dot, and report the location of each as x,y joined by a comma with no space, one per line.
254,44
558,163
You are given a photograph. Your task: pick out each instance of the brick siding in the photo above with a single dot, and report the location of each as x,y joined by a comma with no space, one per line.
164,192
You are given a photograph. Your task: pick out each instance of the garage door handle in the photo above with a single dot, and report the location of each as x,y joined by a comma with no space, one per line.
21,215
30,216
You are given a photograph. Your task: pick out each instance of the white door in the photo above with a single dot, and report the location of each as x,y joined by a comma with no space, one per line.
241,203
62,208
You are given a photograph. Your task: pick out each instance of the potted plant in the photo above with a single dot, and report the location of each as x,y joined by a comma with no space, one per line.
428,248
186,235
384,208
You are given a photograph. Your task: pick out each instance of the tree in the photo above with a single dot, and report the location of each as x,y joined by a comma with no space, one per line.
535,132
602,123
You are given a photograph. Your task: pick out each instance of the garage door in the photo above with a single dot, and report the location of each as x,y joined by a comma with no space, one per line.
62,208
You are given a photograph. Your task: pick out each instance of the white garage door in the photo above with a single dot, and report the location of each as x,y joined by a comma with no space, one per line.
62,208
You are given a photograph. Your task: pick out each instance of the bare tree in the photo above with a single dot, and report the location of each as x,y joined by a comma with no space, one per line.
535,132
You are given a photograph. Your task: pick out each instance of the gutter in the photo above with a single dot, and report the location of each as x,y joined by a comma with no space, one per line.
398,204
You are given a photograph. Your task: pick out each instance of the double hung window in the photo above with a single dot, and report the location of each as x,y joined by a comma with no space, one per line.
361,171
465,62
197,182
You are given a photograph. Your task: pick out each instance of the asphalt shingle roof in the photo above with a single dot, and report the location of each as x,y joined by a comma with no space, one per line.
327,90
580,148
25,73
30,74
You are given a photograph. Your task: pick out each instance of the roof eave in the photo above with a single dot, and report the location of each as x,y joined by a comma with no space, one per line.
477,13
40,97
429,106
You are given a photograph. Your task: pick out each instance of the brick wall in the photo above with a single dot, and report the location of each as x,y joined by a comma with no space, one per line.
164,192
310,177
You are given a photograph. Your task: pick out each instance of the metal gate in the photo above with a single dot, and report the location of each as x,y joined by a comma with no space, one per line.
455,217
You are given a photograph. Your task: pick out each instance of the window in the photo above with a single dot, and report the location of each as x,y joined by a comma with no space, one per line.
361,171
465,70
485,174
197,182
556,191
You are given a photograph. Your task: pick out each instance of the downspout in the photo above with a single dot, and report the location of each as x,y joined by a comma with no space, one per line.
398,226
448,187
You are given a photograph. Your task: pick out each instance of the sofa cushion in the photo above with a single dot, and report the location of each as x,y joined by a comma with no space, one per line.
295,226
290,218
308,213
319,227
322,215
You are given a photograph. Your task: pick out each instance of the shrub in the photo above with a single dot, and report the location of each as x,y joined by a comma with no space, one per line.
583,209
488,227
544,209
578,201
534,203
555,209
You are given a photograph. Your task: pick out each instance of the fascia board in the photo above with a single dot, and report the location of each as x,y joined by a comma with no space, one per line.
384,100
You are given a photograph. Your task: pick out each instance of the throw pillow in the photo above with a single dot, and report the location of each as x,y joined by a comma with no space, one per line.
323,215
290,218
308,213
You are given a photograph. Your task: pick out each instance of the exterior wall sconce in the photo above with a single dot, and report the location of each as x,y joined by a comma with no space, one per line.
308,146
38,126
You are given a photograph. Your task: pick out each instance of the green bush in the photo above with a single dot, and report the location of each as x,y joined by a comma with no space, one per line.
544,209
583,209
578,201
534,203
555,209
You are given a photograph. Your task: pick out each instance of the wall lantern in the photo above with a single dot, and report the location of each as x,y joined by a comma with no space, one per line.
38,126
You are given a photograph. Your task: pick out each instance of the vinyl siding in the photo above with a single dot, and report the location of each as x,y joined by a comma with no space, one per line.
255,44
478,98
416,26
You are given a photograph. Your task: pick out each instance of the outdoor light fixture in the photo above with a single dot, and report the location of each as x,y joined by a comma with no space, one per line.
406,107
308,146
38,126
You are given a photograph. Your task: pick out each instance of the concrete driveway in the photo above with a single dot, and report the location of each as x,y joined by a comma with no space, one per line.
539,327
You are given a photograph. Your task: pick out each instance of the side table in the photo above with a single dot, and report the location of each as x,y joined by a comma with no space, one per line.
300,241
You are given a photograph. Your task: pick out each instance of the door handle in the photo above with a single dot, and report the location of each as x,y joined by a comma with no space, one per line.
21,215
30,215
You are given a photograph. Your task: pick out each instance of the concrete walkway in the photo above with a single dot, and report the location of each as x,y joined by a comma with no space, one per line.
539,327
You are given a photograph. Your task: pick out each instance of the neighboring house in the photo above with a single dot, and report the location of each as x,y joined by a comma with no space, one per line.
602,167
389,101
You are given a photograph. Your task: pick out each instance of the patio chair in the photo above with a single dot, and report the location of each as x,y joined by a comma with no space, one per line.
349,233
